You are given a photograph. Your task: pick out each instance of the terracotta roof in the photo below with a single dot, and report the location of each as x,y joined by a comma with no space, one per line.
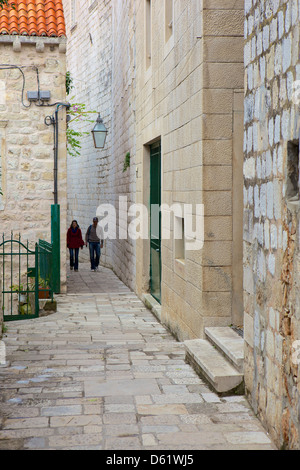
33,18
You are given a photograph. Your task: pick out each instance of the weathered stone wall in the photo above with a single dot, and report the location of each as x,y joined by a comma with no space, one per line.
26,143
189,96
271,216
1,311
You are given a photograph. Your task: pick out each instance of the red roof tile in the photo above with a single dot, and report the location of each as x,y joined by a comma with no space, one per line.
33,18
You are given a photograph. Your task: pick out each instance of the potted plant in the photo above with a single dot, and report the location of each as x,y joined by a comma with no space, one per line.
20,289
44,289
24,307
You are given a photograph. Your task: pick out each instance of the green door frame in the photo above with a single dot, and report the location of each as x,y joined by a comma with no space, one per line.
55,240
155,221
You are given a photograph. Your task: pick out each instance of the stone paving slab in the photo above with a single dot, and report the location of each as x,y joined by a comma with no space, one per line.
103,374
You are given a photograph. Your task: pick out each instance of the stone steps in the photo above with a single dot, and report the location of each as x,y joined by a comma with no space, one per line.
219,359
229,343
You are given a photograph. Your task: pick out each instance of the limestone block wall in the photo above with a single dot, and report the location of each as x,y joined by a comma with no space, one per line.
189,96
101,58
89,61
123,136
222,148
271,216
1,312
26,143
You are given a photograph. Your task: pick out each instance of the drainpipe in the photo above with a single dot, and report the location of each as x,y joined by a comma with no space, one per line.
55,154
55,208
53,120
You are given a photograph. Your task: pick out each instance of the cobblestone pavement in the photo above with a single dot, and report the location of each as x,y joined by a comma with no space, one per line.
103,373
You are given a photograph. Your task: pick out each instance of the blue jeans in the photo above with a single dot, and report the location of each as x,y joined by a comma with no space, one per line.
95,253
74,264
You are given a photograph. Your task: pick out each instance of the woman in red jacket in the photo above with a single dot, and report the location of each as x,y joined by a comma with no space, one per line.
74,242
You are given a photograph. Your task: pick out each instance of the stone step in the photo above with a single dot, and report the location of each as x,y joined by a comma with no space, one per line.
211,364
229,343
152,304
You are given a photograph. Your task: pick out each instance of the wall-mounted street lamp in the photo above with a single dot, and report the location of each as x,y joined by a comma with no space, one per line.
99,133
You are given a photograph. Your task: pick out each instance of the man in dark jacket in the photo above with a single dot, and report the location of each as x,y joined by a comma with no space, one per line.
95,243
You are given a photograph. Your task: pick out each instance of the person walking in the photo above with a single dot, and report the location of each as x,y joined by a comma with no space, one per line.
94,237
74,242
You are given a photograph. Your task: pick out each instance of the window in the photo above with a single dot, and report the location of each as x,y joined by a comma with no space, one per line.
3,125
148,32
179,238
1,184
73,13
292,190
92,4
168,19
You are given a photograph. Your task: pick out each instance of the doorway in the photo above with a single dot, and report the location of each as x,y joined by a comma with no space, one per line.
155,221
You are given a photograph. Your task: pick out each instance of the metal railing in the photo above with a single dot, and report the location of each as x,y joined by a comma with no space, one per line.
45,269
27,275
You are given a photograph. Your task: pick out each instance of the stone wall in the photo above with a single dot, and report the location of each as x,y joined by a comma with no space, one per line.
1,311
89,61
100,58
26,142
189,91
123,135
271,216
190,97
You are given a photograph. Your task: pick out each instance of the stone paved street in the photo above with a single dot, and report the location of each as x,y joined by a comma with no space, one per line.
103,373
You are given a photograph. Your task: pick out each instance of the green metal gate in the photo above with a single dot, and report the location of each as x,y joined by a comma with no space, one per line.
46,269
25,274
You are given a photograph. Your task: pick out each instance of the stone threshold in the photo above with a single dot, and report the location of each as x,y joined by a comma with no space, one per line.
151,303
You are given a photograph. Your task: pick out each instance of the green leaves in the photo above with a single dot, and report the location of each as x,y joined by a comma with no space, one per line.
6,3
77,113
69,82
126,162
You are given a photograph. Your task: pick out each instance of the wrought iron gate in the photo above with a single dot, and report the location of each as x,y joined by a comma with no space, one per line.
25,274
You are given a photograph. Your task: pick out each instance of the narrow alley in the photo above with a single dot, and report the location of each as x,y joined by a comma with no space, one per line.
103,373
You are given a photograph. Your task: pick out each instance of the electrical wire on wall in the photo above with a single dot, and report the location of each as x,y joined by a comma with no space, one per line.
9,66
20,67
49,120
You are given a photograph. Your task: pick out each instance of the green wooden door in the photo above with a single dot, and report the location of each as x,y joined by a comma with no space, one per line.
155,221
